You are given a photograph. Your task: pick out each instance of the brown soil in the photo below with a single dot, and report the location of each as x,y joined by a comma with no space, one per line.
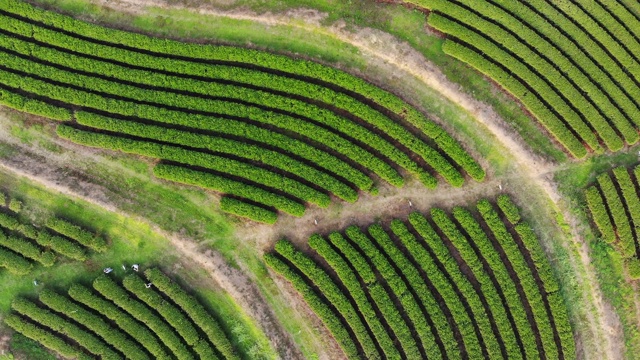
4,344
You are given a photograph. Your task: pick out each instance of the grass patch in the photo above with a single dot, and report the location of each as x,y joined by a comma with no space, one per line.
186,24
573,177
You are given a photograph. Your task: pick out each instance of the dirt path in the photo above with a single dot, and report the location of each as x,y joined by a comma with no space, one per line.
389,204
4,344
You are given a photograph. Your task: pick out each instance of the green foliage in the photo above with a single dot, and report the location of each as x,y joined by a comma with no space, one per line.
44,337
229,167
61,245
26,238
113,292
600,215
311,115
239,129
350,280
222,145
530,241
543,90
399,286
589,45
597,67
448,290
614,205
538,52
620,219
563,325
27,249
509,209
171,314
15,205
521,278
633,266
246,210
15,263
315,302
196,312
327,78
537,106
463,246
9,221
22,345
378,293
488,280
329,289
80,235
97,325
602,31
540,295
506,286
32,106
442,329
274,102
60,325
630,199
126,322
564,75
117,323
219,183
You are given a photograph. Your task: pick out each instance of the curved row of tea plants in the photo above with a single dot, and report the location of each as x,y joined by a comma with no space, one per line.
22,245
615,209
272,132
132,321
473,285
573,64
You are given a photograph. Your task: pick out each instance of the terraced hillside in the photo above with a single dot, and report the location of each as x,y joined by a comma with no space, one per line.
472,285
23,245
302,118
130,321
271,132
572,64
615,210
